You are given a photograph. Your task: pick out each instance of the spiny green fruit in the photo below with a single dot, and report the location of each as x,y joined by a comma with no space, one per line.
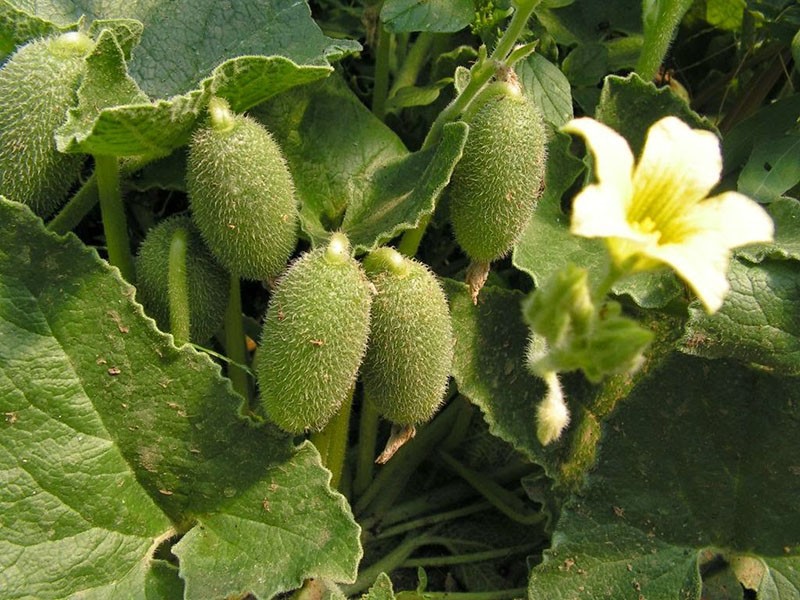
208,281
242,194
410,348
37,86
495,185
314,337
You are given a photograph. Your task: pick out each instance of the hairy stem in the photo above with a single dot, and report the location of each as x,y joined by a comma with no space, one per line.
234,340
661,22
416,58
115,224
76,209
381,87
367,444
332,441
178,288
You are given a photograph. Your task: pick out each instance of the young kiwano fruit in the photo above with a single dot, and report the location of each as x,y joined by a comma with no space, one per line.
314,337
410,349
242,194
208,282
37,86
497,182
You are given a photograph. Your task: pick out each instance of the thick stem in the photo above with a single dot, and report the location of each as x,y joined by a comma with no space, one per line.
660,25
178,288
367,445
76,209
416,58
332,441
115,224
234,340
381,87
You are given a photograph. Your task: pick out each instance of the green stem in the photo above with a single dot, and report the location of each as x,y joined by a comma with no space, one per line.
442,517
415,59
391,481
367,444
380,90
332,441
460,427
660,24
387,564
493,595
178,288
76,209
115,224
409,243
472,557
234,340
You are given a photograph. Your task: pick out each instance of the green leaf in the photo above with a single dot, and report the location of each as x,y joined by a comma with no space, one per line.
105,84
701,456
443,16
547,245
757,323
413,95
582,22
586,64
496,381
785,213
725,14
18,26
403,192
250,545
381,589
630,106
548,87
133,425
773,168
127,32
333,160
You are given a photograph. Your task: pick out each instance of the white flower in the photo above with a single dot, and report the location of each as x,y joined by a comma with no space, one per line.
657,212
552,414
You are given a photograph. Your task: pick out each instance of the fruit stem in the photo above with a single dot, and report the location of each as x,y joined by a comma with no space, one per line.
381,87
178,288
113,211
86,197
332,441
234,340
367,444
412,238
392,479
471,557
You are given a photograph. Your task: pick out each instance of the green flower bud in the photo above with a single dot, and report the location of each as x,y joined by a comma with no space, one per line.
561,306
38,85
410,348
242,194
208,282
497,182
314,337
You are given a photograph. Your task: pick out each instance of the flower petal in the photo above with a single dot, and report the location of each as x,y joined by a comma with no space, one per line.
702,262
679,166
613,159
736,218
598,211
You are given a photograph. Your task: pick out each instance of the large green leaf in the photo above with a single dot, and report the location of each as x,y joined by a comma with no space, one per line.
548,87
773,168
785,213
354,163
250,545
581,22
700,458
111,432
432,15
246,53
757,322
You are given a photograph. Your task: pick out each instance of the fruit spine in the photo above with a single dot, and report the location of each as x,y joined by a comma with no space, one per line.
314,337
38,85
410,348
242,194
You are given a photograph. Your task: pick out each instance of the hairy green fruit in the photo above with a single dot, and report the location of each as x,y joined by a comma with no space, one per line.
314,337
242,194
497,182
208,281
37,86
410,350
